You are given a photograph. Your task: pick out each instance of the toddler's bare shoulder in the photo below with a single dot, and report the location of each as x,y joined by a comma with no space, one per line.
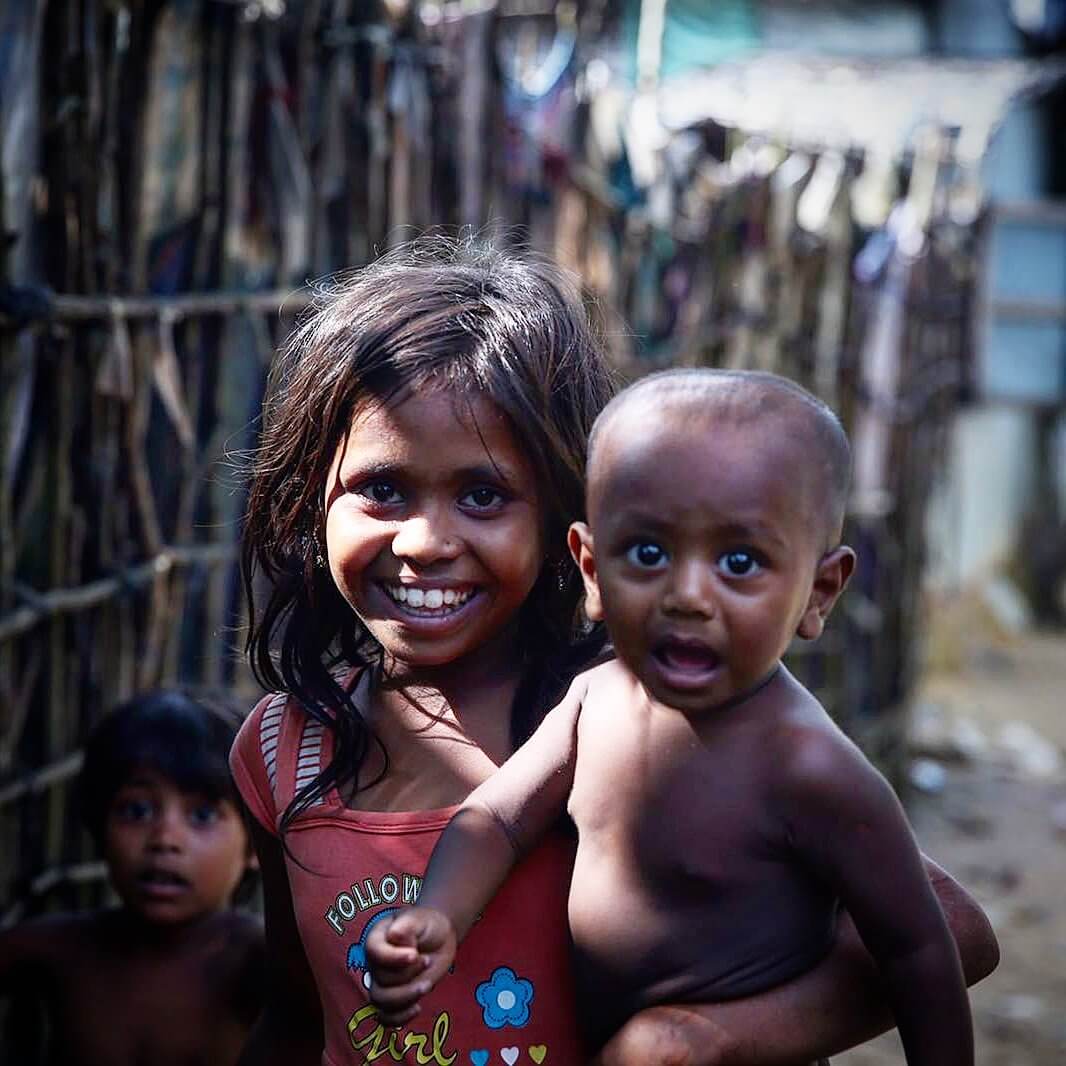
607,681
814,758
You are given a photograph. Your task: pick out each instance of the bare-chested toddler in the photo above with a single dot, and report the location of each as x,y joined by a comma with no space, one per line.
722,816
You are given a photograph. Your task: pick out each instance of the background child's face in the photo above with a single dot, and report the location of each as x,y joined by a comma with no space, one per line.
433,526
705,554
173,856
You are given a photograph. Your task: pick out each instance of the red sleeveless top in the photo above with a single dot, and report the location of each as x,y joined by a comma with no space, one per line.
509,1000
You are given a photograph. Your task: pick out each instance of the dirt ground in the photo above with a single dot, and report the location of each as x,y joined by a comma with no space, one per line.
988,738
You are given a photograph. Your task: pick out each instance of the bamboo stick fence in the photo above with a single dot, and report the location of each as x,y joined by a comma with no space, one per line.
181,169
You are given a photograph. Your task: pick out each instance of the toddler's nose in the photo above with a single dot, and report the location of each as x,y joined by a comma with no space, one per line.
691,590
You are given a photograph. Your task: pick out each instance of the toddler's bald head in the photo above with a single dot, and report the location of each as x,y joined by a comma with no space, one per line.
765,403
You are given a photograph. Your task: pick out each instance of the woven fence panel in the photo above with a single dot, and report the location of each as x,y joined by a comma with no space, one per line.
174,175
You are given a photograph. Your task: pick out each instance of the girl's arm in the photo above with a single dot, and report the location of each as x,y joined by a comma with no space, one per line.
289,1029
490,832
836,1005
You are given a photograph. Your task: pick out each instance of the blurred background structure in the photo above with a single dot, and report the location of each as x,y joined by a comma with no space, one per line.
869,197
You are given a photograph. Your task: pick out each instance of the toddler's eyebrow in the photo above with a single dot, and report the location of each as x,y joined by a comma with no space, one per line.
750,531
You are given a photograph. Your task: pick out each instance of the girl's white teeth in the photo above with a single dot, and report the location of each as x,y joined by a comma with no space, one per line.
428,598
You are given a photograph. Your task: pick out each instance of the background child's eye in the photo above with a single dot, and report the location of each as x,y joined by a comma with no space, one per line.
482,498
134,809
204,814
647,555
740,563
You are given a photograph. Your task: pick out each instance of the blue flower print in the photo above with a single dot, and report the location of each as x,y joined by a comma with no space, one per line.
505,998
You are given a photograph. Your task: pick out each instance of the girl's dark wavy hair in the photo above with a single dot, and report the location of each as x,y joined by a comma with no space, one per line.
438,313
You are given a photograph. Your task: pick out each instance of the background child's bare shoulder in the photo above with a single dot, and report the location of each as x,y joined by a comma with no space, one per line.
51,943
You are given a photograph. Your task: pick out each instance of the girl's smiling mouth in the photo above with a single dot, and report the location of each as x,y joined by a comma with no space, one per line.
429,602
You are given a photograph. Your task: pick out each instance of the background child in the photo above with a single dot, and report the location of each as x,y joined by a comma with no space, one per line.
721,813
421,461
173,974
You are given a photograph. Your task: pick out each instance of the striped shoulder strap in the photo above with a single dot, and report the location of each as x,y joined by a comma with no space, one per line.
291,745
269,737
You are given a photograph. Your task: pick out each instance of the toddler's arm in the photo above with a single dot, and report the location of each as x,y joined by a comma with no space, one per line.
846,821
834,1006
492,830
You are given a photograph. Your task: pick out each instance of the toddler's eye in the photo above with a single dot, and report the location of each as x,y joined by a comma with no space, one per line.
647,555
381,492
481,499
740,563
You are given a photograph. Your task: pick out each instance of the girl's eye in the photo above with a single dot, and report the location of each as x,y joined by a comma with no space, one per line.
739,563
481,499
382,492
647,555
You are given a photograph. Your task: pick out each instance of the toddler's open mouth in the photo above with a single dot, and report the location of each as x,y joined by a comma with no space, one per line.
686,659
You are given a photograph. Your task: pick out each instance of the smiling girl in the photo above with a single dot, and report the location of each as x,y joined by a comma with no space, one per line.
415,610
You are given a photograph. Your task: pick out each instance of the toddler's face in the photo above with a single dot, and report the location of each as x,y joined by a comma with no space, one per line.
705,554
173,856
433,527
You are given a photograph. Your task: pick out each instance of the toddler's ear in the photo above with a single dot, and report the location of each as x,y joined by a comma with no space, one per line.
579,540
834,569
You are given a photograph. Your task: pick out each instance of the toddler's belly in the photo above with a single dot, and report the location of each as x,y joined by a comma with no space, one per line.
635,946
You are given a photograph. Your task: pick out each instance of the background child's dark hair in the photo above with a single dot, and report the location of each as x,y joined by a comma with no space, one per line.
185,739
439,313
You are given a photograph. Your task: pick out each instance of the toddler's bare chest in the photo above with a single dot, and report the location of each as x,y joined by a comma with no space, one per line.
668,802
685,885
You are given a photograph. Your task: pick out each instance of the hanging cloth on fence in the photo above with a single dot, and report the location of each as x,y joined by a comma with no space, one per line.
538,104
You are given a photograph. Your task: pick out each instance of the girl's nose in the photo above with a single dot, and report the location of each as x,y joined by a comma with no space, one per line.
425,539
691,590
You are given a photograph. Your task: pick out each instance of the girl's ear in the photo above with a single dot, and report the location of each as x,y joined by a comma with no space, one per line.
834,570
579,540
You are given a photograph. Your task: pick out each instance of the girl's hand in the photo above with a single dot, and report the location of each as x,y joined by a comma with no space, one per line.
406,957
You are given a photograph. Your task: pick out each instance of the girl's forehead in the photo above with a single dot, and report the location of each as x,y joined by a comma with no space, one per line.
436,427
417,415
